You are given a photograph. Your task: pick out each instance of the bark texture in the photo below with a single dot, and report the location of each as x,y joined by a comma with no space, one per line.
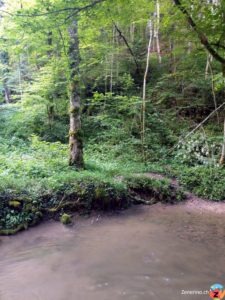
75,135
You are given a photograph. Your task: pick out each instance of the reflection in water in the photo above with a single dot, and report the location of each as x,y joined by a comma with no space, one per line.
142,253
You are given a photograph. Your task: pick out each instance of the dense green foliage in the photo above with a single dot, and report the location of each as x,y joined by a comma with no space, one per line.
184,86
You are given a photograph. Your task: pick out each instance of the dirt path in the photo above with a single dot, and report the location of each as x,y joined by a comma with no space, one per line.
193,202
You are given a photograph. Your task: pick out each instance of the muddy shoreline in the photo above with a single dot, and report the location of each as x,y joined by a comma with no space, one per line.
189,202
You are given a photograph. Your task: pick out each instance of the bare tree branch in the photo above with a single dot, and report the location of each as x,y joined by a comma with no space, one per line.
127,44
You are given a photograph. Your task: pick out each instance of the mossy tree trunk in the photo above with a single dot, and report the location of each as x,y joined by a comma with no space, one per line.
75,135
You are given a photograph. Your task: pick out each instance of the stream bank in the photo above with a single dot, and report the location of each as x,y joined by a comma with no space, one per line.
86,196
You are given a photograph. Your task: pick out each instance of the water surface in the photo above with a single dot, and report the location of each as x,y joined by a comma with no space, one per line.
142,253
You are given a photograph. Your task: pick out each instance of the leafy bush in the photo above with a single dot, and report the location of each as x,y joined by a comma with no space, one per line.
207,182
199,150
113,128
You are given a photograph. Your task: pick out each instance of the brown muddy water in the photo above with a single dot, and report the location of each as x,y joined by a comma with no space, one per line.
141,253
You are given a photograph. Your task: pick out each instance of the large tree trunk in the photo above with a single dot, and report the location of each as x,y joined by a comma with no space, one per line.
75,135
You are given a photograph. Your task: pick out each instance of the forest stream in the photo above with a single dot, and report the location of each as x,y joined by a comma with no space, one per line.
145,252
112,150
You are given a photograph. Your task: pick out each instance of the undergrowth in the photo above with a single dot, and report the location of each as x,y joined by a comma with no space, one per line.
37,183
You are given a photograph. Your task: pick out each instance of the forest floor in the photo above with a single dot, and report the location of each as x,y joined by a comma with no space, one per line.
36,182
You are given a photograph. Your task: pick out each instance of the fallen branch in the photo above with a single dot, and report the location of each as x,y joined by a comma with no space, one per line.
198,126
